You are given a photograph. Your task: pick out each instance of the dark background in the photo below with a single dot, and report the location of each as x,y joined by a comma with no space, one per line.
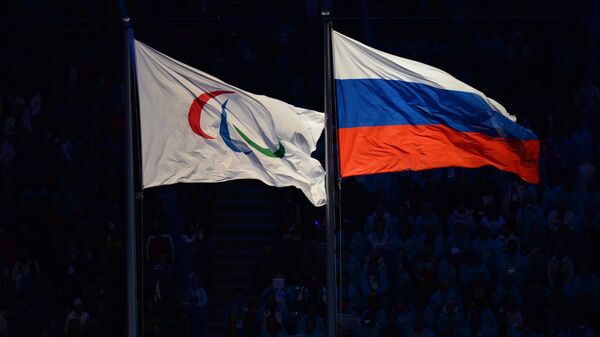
62,213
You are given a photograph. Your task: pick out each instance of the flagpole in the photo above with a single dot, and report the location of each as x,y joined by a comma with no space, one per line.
330,178
132,312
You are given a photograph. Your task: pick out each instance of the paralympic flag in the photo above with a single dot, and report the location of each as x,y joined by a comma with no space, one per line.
197,128
396,114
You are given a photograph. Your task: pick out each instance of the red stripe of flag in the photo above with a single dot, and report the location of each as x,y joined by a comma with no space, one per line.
379,149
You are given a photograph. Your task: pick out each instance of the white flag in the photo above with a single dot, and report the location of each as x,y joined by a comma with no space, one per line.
197,128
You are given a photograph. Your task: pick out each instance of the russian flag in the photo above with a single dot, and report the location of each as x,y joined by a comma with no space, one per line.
396,114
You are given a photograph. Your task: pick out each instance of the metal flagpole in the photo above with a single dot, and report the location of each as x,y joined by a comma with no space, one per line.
132,312
330,178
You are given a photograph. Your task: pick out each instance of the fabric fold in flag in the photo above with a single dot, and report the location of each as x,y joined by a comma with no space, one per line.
197,128
396,114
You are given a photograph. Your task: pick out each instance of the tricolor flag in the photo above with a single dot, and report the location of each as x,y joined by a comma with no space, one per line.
197,128
396,114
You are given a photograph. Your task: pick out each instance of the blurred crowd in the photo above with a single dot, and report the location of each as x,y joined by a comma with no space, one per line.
448,252
176,273
61,206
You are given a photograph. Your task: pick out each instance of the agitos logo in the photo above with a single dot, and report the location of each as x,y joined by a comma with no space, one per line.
194,116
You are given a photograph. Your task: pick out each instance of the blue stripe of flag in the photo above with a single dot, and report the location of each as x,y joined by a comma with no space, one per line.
379,102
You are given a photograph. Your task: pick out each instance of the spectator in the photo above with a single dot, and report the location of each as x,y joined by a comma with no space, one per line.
311,323
391,329
350,265
506,235
561,217
374,319
512,312
280,290
159,245
560,265
529,219
433,240
476,326
579,330
3,324
493,221
7,152
511,263
266,267
450,315
463,216
271,310
378,259
310,262
349,320
460,238
505,328
484,246
293,295
408,244
352,239
444,294
292,219
374,282
504,290
403,217
349,291
380,215
161,290
380,238
472,270
554,193
190,237
534,306
421,329
425,278
450,268
405,316
401,285
427,219
587,283
311,329
187,315
238,316
199,301
272,328
76,319
314,294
